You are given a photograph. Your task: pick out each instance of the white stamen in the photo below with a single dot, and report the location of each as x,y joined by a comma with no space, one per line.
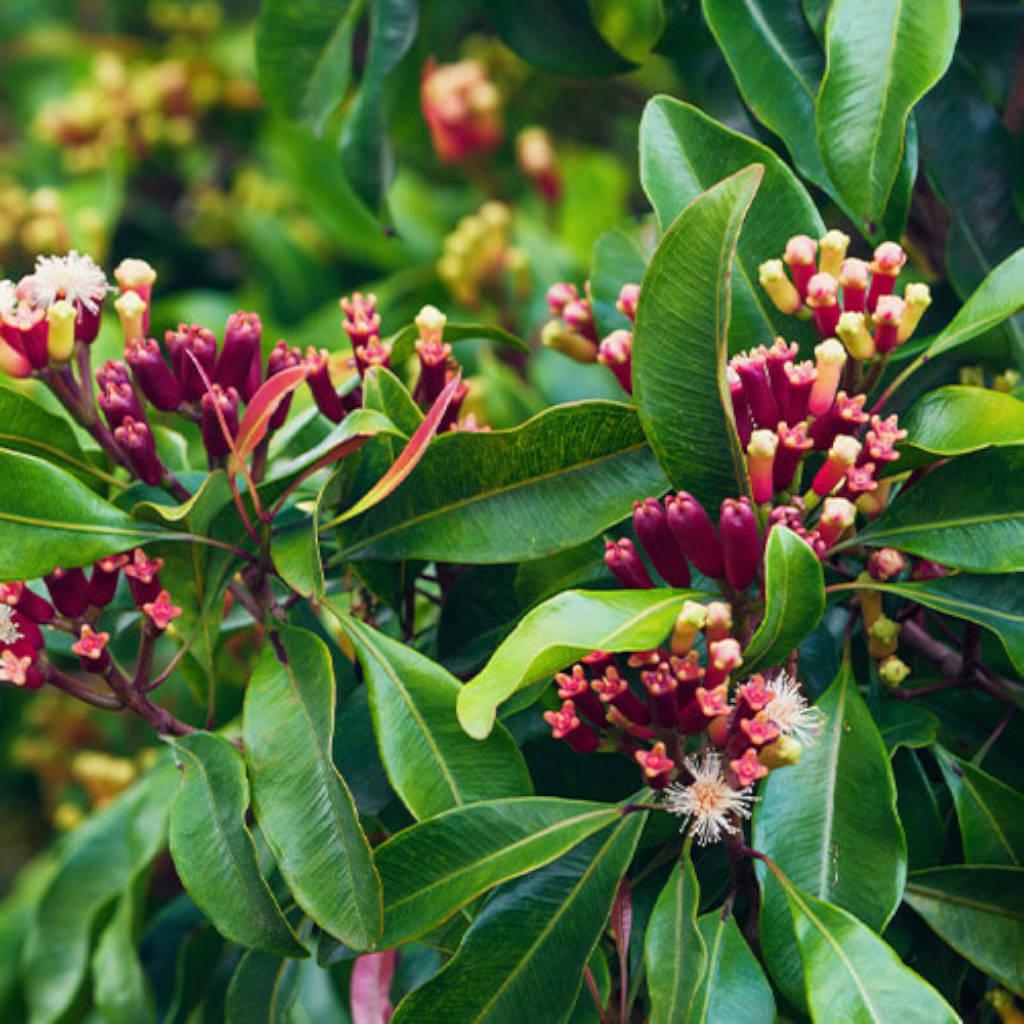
74,277
8,297
9,631
789,710
711,807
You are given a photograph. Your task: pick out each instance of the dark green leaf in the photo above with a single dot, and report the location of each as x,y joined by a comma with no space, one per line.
384,392
120,991
111,848
619,258
431,763
903,723
296,554
794,600
302,804
882,57
674,951
304,55
557,37
968,514
41,533
433,869
979,911
734,987
995,602
503,495
262,990
830,823
991,814
681,343
523,957
683,152
214,852
365,152
556,633
850,974
919,810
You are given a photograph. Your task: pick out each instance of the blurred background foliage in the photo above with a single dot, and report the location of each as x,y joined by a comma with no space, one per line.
138,128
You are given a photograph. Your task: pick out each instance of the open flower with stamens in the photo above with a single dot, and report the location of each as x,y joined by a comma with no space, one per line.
789,710
710,806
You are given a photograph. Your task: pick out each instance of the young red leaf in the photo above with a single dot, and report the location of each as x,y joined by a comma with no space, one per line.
622,927
263,405
406,461
370,985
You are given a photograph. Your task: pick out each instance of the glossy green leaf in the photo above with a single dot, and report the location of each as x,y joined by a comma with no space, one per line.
851,974
816,13
112,847
121,992
995,602
41,533
523,957
979,911
214,852
991,813
384,392
295,550
967,514
683,152
302,804
778,65
403,343
882,57
558,632
922,818
431,763
263,989
734,987
830,823
794,600
508,495
681,343
304,55
674,951
903,723
619,258
366,155
433,869
557,37
999,297
25,426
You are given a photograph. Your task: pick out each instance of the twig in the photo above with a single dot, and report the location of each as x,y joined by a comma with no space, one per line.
80,691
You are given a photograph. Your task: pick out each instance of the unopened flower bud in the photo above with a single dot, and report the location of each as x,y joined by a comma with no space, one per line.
741,546
885,268
799,256
719,621
138,277
832,251
536,159
555,335
224,401
841,456
154,377
695,534
69,591
752,368
651,524
782,753
783,293
103,581
143,575
430,322
917,297
627,565
118,402
748,768
888,317
560,295
579,316
26,331
61,317
161,611
740,408
689,622
629,296
616,352
136,439
893,672
837,516
800,379
780,354
886,563
655,765
724,657
13,361
131,311
830,358
854,276
760,461
242,335
822,292
794,443
91,648
852,331
883,637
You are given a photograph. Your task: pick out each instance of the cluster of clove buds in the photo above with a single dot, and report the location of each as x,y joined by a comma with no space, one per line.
573,330
462,108
656,706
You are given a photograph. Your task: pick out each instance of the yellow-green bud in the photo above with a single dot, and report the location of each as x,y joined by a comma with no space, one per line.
781,753
557,336
689,623
893,671
883,635
60,341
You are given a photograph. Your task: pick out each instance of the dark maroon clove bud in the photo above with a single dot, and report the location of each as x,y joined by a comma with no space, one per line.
226,401
741,545
188,341
112,372
318,377
28,604
433,357
154,377
103,581
118,402
241,344
69,591
281,358
752,370
143,575
625,562
692,528
652,530
136,440
740,408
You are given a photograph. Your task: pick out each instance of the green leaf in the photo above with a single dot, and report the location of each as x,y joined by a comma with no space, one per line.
683,152
384,392
112,847
956,420
431,763
214,852
830,823
882,57
734,987
403,342
263,989
304,55
681,343
295,550
850,974
778,65
919,811
794,600
523,957
619,258
365,152
25,426
979,911
302,804
503,495
903,723
674,951
995,602
121,992
556,633
433,869
991,814
967,514
999,297
41,533
557,37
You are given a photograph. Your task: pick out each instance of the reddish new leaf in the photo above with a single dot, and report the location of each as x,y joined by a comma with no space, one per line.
622,927
410,456
263,405
368,990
